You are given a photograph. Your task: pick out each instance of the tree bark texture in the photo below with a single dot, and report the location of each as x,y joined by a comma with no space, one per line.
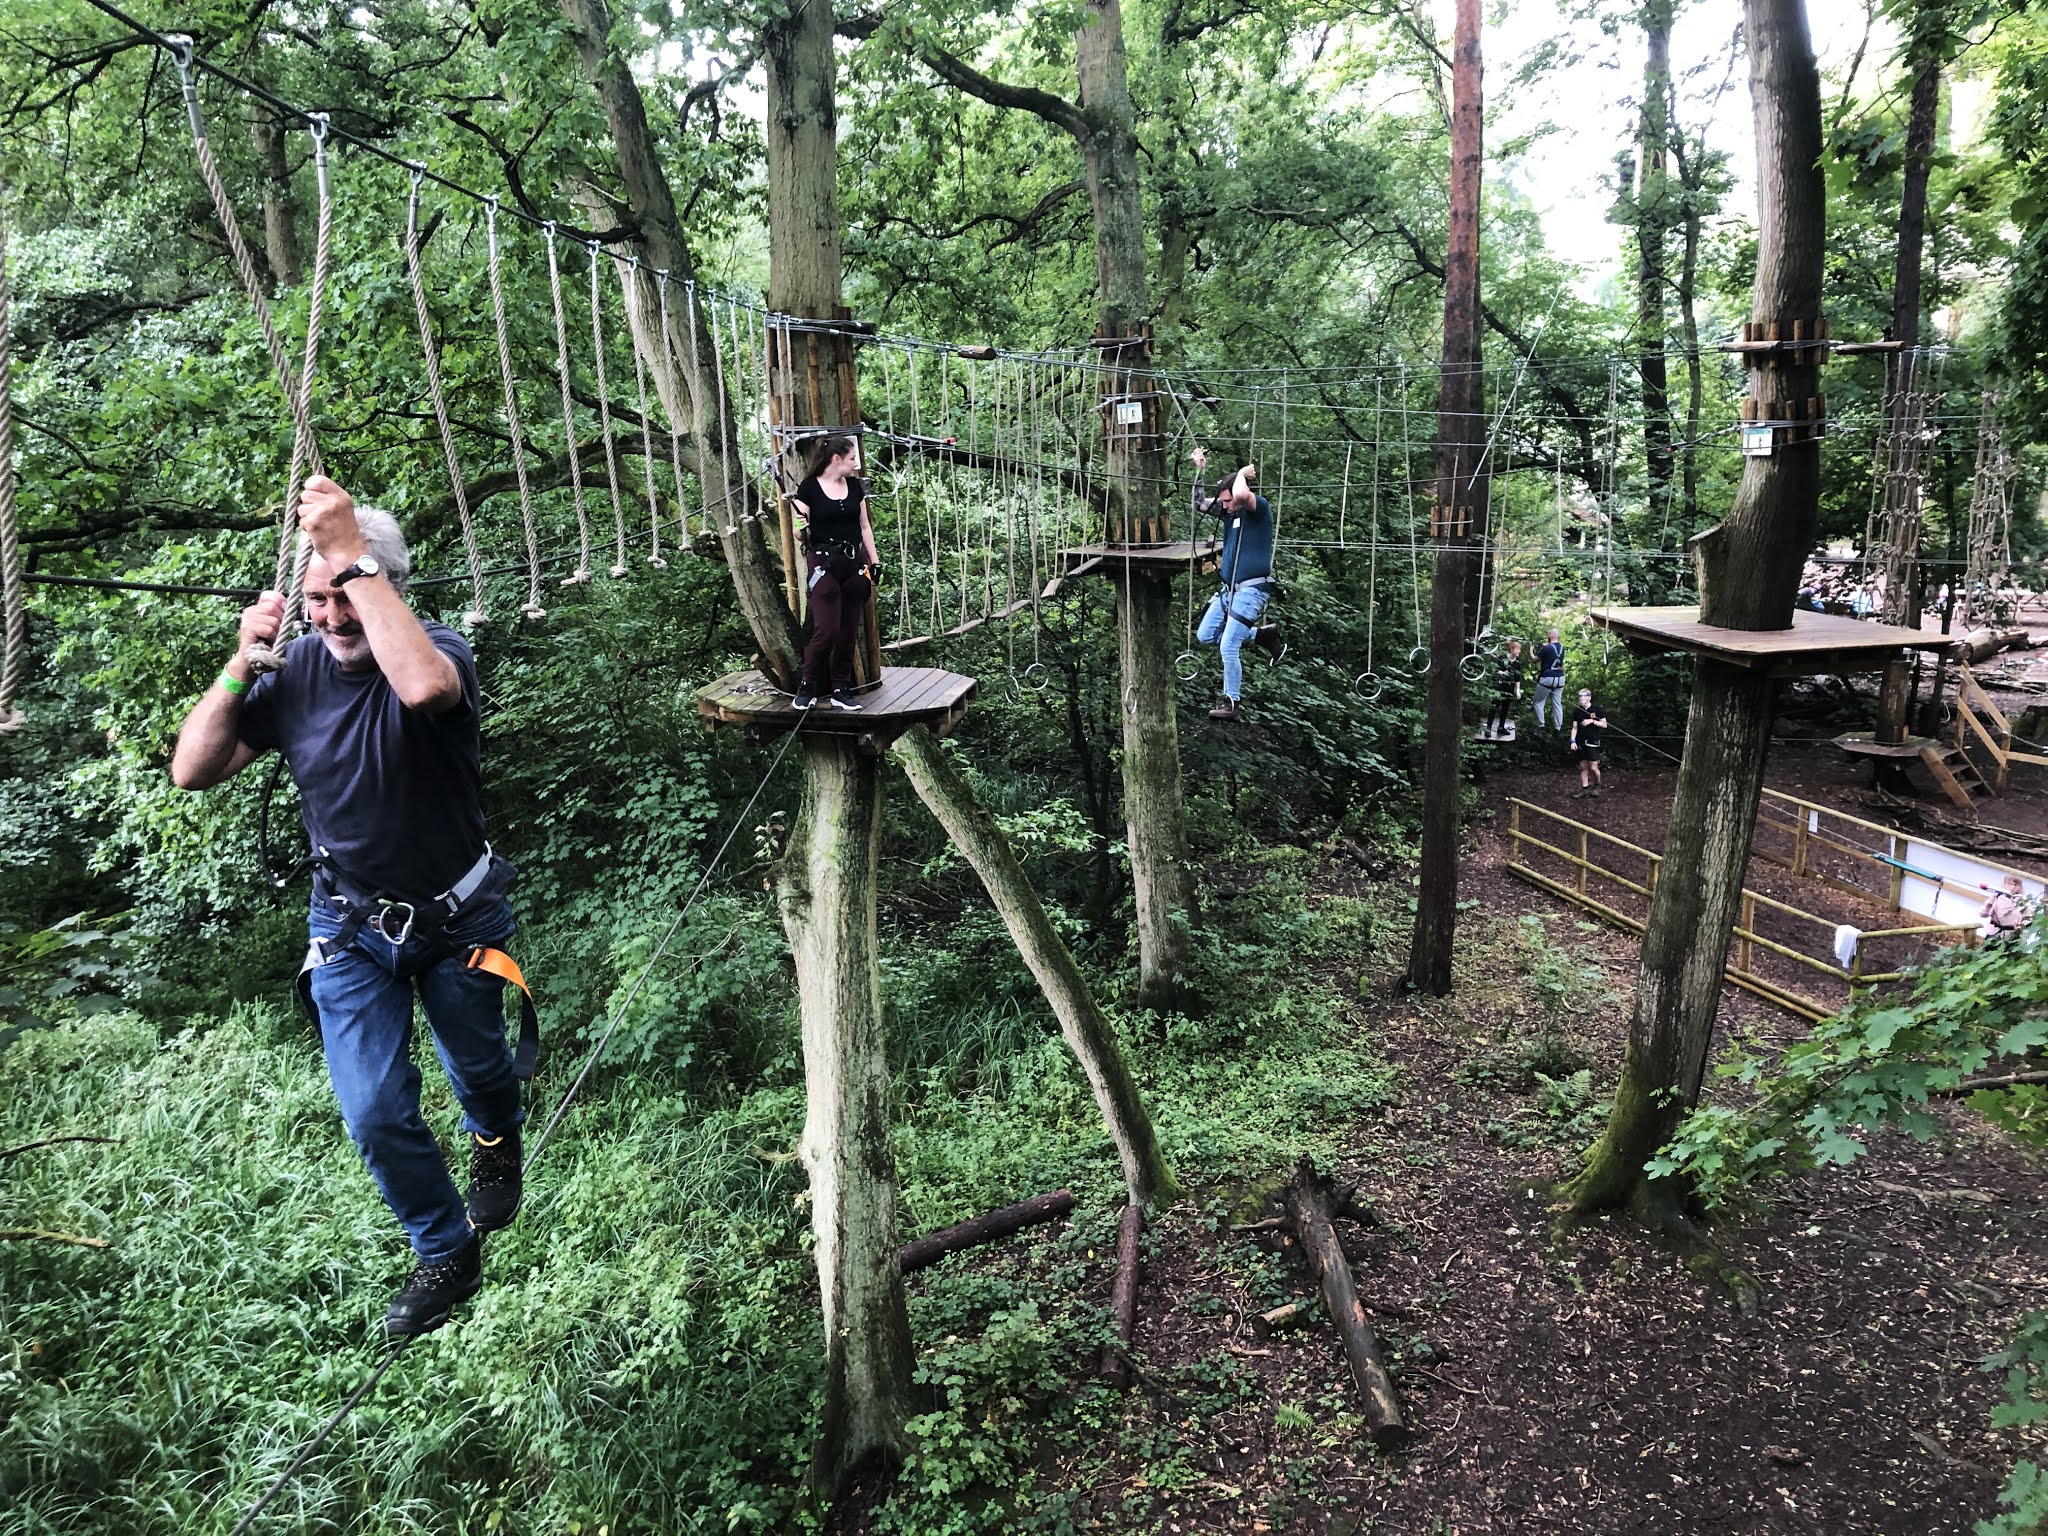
1902,480
1654,218
827,895
694,399
1750,571
1307,1198
1457,520
1088,1032
1163,884
280,207
1123,1294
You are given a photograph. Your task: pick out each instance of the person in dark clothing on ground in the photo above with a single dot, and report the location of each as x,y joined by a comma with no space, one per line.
1550,683
1246,571
1588,721
839,554
1507,693
376,714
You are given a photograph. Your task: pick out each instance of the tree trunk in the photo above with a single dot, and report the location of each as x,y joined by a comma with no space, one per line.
712,423
827,895
280,207
1088,1031
1162,883
1902,480
1456,522
1750,570
1689,320
1653,224
1135,471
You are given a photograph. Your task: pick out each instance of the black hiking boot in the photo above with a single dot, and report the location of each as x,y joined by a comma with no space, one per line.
1267,638
1227,710
494,1181
434,1292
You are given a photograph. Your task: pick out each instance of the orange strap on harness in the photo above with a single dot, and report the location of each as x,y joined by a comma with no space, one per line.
505,968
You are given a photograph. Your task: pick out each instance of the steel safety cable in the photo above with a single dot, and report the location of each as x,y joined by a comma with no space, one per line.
604,414
636,328
13,599
582,572
672,402
532,608
568,1099
437,397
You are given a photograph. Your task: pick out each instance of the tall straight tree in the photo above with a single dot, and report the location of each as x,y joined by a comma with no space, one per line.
1103,124
1457,522
1655,212
1749,577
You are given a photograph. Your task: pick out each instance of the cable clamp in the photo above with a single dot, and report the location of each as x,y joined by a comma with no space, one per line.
181,47
318,125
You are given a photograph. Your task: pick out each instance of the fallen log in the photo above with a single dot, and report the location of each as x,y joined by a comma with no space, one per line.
1982,644
1308,1201
1293,1315
1123,1297
934,1246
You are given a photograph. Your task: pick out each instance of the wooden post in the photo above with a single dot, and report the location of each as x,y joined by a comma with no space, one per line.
1585,858
1799,844
1656,862
1514,834
1748,926
1898,875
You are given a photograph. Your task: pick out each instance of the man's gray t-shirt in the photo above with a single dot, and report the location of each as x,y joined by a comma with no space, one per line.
394,796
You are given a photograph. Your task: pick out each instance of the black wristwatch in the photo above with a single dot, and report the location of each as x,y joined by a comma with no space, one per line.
366,566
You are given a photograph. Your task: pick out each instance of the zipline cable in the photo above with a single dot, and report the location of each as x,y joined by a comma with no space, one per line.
326,1430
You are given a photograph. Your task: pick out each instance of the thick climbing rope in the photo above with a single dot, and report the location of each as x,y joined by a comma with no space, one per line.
604,416
1414,546
305,450
562,1107
674,400
13,602
532,608
697,402
901,509
582,571
476,614
629,286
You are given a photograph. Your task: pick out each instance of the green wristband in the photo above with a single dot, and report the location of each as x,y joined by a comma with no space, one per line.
232,683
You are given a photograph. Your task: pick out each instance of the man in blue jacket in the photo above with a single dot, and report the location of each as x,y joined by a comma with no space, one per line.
1246,571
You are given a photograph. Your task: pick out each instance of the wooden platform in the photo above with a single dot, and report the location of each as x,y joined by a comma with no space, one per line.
1816,644
906,696
1173,559
1946,762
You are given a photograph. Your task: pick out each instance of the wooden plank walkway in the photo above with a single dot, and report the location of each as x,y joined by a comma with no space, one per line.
1817,643
906,696
1147,559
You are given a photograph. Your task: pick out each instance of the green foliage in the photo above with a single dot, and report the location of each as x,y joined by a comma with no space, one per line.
2024,1362
1876,1063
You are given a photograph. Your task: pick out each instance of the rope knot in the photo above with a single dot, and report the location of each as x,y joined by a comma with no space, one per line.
533,612
264,658
11,720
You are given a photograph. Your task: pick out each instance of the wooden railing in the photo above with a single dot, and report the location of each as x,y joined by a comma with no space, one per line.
1589,855
1978,717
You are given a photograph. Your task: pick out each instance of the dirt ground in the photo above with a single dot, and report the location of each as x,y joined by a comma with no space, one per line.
1590,1384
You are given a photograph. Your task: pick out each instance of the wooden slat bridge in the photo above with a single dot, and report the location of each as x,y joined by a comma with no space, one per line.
906,696
1816,644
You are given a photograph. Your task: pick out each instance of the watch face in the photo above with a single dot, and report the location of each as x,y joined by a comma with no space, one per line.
368,566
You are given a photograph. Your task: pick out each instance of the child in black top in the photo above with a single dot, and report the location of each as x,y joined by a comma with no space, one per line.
839,551
1507,692
1588,721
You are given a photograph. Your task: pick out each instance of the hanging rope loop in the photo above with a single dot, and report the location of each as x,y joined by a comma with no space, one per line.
476,615
532,608
581,574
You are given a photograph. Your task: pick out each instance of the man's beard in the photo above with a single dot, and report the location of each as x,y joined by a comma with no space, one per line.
350,648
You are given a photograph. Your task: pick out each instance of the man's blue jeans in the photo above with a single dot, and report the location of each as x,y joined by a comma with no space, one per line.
364,998
1234,615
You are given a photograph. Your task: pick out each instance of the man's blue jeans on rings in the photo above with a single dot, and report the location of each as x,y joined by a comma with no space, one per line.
364,998
1234,615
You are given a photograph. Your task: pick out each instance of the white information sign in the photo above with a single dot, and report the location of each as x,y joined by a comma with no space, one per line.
1130,412
1949,887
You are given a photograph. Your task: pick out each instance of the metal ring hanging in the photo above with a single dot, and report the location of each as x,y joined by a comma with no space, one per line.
1191,670
1488,644
1473,667
1367,694
1423,652
1044,682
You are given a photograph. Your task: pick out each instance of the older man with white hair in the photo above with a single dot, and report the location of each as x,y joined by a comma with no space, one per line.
376,714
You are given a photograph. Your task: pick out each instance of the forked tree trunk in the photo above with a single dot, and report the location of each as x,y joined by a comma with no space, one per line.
827,895
1087,1029
280,207
1750,568
689,393
1457,520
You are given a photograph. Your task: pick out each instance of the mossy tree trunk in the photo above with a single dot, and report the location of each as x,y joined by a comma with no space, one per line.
1749,575
1456,523
1088,1032
827,895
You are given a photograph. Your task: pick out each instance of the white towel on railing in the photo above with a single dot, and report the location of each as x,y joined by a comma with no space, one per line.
1846,940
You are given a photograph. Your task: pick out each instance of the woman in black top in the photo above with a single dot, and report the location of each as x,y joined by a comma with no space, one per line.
839,547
